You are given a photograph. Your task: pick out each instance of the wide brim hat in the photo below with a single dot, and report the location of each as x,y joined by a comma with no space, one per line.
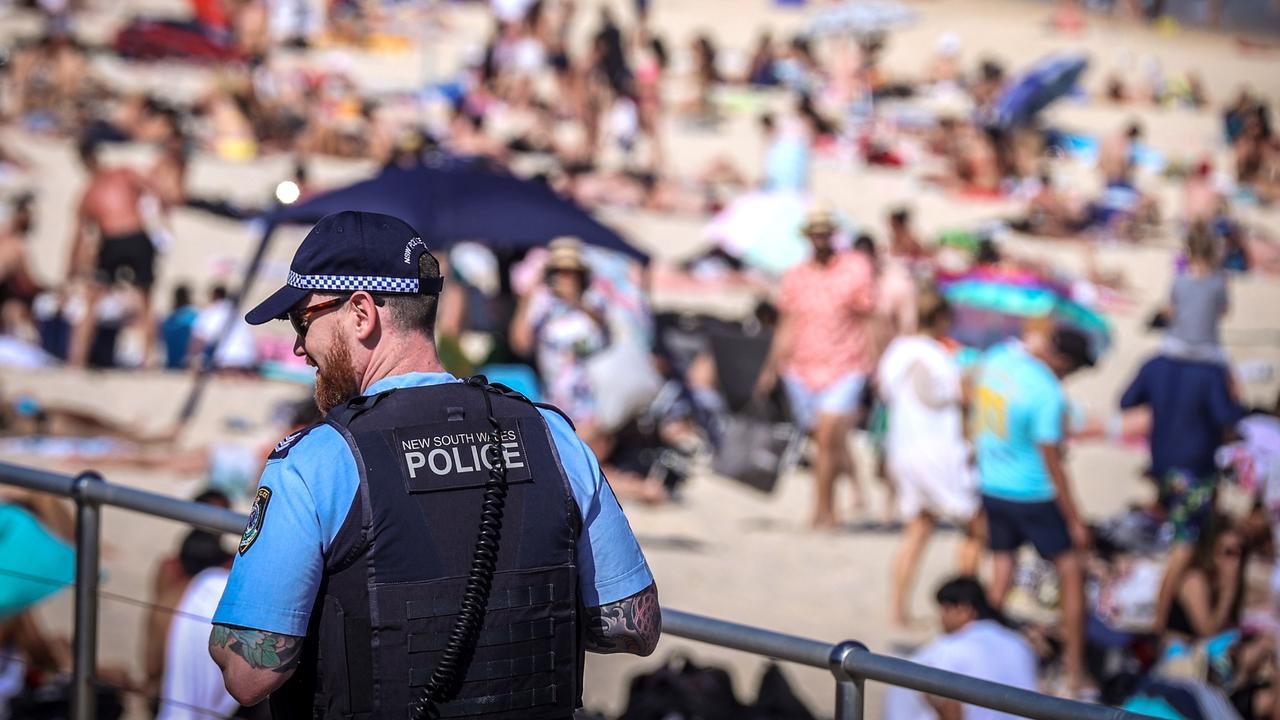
819,220
565,254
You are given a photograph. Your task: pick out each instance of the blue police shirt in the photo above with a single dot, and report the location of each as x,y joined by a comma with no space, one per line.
1019,406
273,584
1191,408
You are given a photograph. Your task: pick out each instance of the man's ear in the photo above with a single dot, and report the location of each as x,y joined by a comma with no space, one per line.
364,316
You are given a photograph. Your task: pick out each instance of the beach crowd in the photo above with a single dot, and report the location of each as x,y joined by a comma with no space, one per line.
854,338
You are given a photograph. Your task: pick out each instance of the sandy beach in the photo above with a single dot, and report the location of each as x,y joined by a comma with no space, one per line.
721,550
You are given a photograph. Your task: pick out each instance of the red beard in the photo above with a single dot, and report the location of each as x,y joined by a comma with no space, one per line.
336,381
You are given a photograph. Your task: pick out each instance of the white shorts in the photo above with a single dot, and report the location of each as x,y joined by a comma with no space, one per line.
839,398
944,490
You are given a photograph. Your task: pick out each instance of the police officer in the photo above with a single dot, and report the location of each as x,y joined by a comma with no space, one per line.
433,547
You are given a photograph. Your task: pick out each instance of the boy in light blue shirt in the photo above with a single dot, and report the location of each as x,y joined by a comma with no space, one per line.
1020,407
1017,421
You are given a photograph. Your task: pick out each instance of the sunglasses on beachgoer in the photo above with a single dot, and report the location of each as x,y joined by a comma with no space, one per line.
302,318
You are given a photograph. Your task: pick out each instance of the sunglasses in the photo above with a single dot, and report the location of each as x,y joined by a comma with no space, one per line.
302,318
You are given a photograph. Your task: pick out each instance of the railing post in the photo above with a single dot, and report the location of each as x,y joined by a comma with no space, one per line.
850,698
84,702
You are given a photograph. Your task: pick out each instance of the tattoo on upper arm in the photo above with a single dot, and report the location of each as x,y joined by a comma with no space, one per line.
262,650
631,625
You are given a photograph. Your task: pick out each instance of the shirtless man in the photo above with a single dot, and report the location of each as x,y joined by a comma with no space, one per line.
1201,199
17,287
122,251
976,165
1115,156
1051,213
167,177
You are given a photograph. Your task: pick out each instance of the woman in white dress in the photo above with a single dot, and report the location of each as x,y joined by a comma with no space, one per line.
927,456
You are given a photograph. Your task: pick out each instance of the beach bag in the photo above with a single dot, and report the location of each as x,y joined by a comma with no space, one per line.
753,448
53,702
776,700
681,690
1180,699
1206,660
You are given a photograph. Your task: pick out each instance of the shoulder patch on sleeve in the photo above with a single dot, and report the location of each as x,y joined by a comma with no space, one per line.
257,515
282,448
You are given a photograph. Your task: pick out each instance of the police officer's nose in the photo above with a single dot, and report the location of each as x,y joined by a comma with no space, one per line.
299,346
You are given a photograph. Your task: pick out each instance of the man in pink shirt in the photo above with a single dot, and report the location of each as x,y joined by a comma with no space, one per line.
823,350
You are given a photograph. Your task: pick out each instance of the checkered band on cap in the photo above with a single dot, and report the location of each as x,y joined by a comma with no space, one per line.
352,283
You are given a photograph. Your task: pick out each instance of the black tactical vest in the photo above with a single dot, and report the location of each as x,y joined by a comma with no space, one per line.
395,574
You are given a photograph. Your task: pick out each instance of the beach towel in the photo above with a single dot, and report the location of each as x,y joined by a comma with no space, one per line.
33,563
145,39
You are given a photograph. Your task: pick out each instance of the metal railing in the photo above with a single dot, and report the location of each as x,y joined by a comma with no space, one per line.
850,662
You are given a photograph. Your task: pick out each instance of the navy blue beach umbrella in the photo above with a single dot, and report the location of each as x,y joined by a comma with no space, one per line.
1037,88
446,205
455,203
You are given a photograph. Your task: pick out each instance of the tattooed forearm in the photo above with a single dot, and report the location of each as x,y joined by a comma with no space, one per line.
631,625
261,650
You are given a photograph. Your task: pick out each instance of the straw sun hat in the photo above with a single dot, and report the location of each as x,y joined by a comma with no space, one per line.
820,219
566,254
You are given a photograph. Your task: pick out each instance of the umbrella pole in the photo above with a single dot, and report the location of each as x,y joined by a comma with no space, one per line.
205,371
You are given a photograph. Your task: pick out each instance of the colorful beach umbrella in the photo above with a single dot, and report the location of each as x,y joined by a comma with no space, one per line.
992,304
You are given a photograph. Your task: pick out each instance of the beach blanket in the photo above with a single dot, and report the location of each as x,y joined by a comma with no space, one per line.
33,563
145,39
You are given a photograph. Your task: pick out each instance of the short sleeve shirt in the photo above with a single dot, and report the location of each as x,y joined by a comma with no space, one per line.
1019,406
566,336
983,649
1191,408
313,480
192,688
236,350
176,333
1198,304
828,308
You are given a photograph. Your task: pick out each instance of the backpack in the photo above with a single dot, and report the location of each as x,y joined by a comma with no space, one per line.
682,690
776,700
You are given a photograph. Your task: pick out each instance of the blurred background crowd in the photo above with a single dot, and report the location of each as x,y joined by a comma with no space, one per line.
830,259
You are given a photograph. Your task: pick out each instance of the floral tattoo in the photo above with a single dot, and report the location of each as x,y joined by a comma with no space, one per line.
262,650
631,625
